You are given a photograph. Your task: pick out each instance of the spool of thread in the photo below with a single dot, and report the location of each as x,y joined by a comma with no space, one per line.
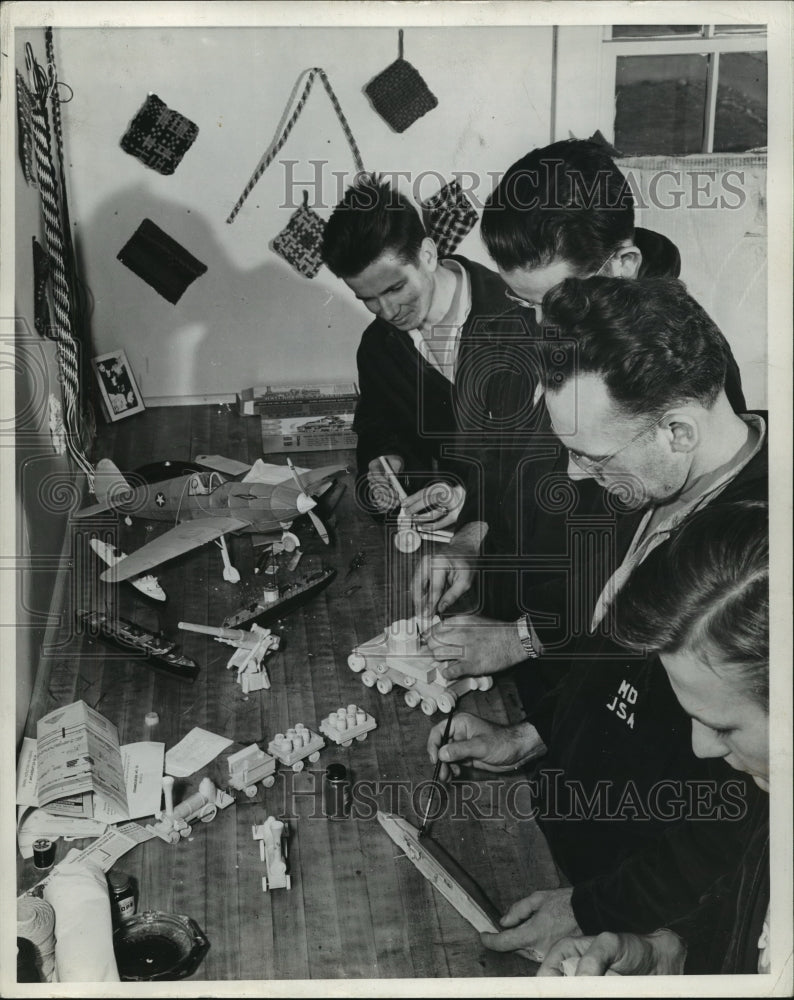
43,854
36,923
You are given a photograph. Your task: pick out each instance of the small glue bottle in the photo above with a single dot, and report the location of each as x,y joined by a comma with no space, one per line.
122,896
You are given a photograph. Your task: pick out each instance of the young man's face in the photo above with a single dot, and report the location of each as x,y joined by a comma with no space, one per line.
632,457
396,291
726,722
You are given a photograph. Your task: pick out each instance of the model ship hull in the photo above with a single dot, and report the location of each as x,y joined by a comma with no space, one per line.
259,611
131,638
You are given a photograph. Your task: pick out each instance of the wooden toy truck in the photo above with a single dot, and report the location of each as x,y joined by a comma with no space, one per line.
399,656
346,725
291,748
248,766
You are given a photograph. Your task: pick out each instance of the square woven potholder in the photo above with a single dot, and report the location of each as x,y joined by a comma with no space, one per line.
449,216
399,94
158,136
300,241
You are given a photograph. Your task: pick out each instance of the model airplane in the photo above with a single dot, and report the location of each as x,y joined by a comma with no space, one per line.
206,506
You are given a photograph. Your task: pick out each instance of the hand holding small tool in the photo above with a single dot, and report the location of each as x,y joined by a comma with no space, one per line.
436,773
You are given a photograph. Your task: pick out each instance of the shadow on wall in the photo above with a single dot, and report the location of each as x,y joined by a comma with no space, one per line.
233,327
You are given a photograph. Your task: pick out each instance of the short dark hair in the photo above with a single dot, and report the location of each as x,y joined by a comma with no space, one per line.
652,343
372,218
707,588
566,201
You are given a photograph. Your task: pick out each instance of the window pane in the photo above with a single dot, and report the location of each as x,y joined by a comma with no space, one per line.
740,120
660,104
740,29
654,30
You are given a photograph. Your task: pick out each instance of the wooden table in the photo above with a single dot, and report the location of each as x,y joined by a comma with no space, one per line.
356,908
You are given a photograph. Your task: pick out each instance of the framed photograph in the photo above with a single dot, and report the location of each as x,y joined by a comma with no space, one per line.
120,393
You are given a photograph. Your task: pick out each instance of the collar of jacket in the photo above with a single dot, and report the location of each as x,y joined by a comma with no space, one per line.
660,256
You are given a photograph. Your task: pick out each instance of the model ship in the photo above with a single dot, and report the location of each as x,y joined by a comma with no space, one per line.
274,601
127,635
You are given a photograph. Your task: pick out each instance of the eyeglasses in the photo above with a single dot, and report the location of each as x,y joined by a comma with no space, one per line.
527,304
597,465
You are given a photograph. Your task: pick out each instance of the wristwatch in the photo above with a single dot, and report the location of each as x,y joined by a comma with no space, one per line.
525,634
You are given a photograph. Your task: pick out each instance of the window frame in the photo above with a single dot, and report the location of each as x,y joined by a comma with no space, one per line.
708,44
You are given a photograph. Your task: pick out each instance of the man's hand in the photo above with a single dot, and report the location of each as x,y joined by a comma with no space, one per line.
659,954
471,646
533,924
435,506
382,495
442,577
483,744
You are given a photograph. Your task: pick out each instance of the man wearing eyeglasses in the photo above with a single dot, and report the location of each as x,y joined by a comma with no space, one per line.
563,210
638,399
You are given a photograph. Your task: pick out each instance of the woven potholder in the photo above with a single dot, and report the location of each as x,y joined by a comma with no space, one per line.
399,94
449,216
160,261
300,241
158,136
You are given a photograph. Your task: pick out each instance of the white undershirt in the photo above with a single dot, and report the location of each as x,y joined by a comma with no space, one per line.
440,347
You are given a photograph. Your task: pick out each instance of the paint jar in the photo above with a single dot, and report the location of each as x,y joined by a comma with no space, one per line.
336,792
122,896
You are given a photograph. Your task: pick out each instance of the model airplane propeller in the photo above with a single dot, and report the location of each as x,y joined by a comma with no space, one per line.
205,506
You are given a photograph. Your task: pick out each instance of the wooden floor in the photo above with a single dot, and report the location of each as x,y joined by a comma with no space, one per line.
356,908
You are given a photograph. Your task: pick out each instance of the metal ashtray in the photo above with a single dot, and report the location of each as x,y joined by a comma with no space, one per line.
156,946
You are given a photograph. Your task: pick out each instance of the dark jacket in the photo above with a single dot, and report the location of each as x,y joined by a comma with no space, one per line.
613,718
521,487
722,933
407,407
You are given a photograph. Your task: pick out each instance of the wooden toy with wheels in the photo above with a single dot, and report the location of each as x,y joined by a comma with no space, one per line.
399,656
292,747
347,724
248,766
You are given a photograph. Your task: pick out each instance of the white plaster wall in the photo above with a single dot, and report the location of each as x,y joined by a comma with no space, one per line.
251,318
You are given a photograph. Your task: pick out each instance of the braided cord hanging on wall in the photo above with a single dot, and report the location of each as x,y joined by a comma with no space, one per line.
58,245
283,131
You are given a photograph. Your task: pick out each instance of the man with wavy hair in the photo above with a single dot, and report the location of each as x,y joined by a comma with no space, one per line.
433,318
635,392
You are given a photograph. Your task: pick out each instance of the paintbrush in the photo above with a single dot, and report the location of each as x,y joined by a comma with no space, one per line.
436,772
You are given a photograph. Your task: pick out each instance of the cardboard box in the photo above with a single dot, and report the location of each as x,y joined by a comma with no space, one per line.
308,433
297,400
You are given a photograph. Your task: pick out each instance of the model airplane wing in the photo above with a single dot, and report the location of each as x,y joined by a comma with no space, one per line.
447,876
182,538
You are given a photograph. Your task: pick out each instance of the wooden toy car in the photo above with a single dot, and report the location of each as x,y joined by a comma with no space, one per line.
272,849
292,747
347,724
248,766
399,656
